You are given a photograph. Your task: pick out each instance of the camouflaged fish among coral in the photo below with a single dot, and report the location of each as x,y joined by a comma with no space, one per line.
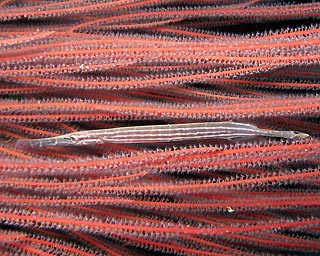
159,127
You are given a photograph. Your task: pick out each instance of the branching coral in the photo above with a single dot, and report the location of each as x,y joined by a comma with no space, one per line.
74,65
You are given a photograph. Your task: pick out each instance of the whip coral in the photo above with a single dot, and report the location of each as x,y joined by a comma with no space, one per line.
72,66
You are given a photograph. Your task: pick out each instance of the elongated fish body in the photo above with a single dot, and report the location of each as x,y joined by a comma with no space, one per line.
161,133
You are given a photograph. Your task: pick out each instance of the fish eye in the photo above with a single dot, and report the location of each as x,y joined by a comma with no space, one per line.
73,139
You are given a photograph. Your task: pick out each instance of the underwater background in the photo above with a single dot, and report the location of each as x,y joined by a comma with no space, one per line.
78,65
